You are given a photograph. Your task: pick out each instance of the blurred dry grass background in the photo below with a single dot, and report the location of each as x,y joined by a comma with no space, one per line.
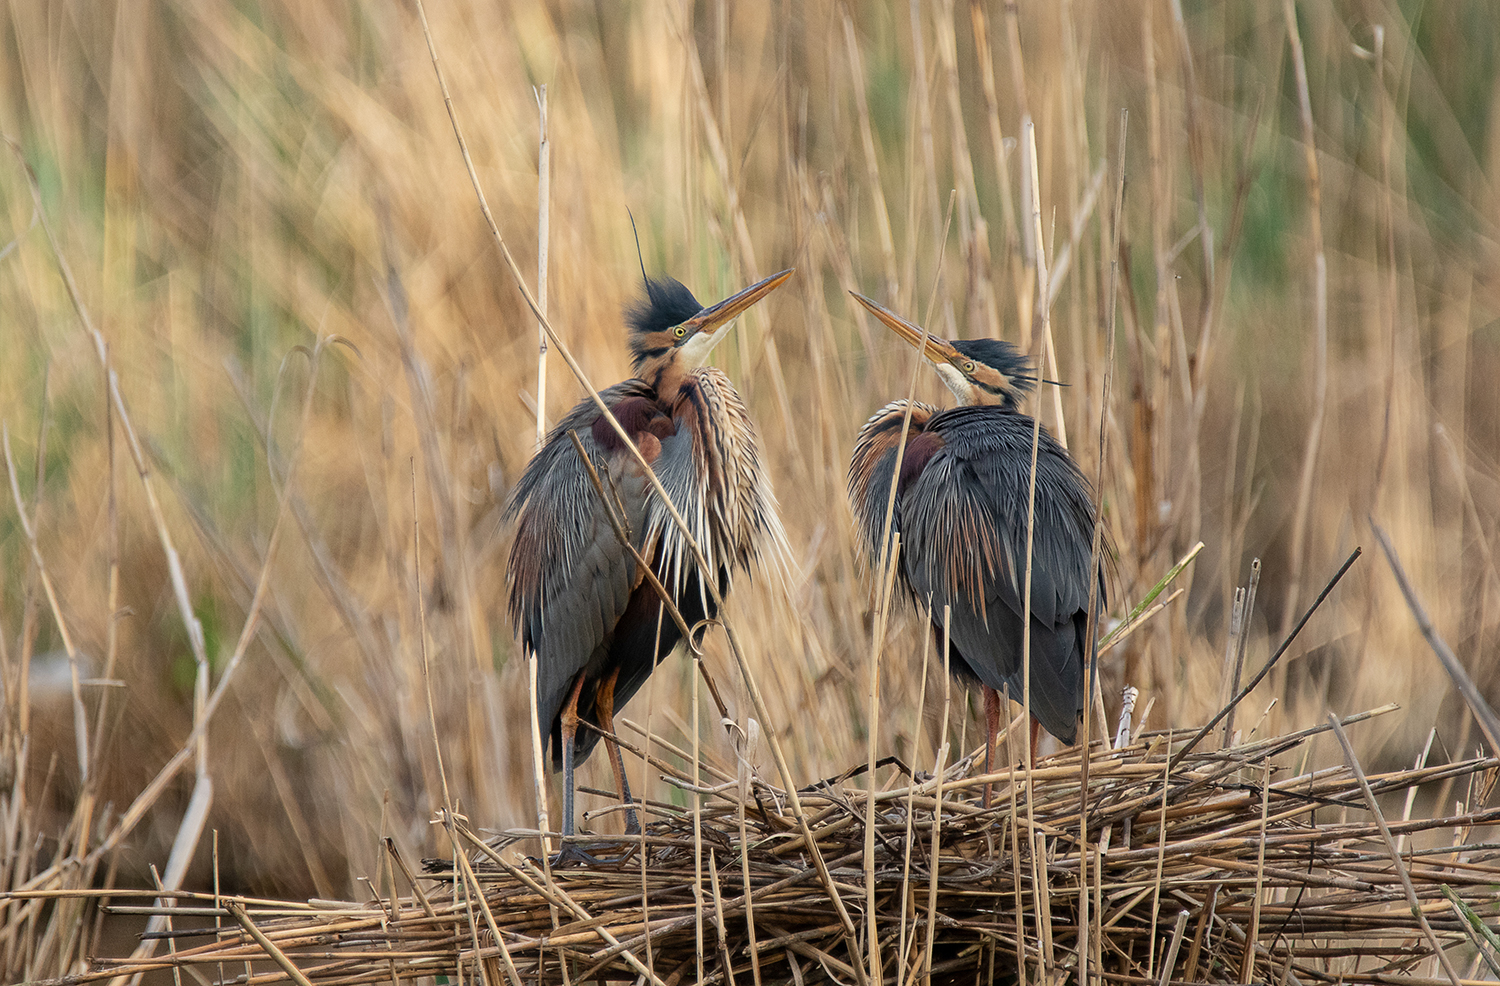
227,182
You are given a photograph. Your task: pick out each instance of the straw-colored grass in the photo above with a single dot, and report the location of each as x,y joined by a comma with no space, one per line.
1186,870
260,360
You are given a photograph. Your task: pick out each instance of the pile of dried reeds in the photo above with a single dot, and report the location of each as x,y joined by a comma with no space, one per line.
1186,856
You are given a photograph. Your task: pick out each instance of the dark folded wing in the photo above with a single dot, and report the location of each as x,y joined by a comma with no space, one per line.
963,524
570,576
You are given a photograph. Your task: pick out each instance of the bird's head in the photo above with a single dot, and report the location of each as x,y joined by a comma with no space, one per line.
669,327
978,371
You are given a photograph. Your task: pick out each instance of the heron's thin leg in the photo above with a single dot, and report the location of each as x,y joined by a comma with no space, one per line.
1036,734
991,730
568,719
604,705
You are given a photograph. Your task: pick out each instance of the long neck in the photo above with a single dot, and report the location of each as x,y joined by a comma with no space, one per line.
665,374
978,396
964,392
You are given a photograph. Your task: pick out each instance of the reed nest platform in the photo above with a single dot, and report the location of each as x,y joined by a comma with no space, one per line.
1232,865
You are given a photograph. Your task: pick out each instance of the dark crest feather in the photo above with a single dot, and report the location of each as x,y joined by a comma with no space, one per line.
668,302
1002,356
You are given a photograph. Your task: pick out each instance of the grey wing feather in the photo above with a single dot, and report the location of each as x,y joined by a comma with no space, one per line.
964,532
570,576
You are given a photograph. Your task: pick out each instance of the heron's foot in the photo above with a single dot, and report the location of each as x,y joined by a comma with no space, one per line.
632,822
573,854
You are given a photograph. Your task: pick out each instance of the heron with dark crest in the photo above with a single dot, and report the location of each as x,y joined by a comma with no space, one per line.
962,493
579,596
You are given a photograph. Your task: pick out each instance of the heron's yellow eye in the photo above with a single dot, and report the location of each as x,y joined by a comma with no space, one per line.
680,331
968,366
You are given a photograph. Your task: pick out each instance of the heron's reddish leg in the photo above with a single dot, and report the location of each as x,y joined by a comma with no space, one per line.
991,730
1036,733
568,720
604,705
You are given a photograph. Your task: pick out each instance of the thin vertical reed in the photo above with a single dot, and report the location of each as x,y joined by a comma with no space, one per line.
543,238
1319,409
872,166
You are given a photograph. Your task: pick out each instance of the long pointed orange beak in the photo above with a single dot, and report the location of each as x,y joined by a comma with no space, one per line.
930,346
713,317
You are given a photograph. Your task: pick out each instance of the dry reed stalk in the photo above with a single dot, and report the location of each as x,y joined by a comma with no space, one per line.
1091,670
1307,899
1239,638
983,307
543,239
886,589
872,165
937,808
927,179
194,819
1320,322
1385,834
908,898
698,905
1483,714
744,246
80,719
1030,242
986,59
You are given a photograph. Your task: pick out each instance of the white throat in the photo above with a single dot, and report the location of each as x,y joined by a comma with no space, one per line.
963,390
694,352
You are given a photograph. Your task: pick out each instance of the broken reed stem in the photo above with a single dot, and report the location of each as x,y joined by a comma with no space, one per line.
277,955
1266,668
472,888
1170,959
1390,844
1247,968
1241,642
